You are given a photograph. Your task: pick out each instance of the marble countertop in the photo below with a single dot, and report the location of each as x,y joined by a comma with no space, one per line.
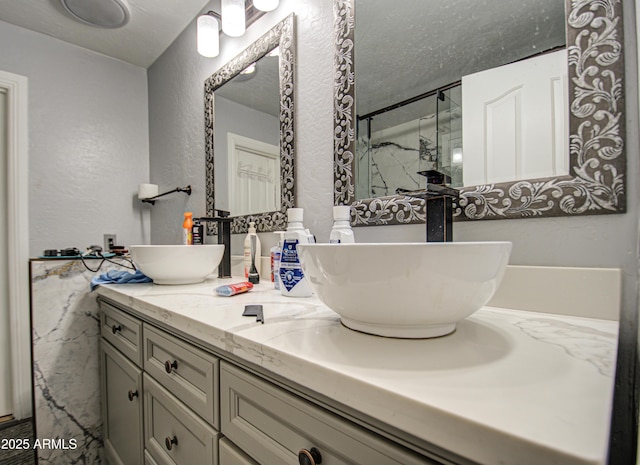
507,387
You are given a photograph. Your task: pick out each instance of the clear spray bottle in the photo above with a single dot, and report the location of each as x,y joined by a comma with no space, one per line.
276,252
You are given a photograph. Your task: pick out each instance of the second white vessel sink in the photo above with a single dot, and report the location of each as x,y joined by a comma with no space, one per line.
406,290
177,264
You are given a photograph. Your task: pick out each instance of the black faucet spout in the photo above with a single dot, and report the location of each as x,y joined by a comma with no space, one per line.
439,219
438,197
224,237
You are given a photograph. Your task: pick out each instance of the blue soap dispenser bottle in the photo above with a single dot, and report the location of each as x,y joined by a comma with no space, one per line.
293,282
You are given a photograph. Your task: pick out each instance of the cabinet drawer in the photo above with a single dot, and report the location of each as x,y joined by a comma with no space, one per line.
173,434
272,426
186,371
231,455
123,331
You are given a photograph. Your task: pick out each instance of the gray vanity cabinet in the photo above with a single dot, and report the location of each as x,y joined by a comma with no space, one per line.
194,407
172,387
121,384
180,400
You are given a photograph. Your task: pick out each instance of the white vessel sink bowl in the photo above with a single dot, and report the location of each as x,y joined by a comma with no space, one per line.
410,290
177,264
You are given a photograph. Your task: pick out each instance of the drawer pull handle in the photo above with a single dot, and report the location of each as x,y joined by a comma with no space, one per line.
309,457
132,394
170,441
115,329
170,366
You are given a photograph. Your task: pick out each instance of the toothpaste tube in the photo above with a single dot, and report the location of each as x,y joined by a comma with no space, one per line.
232,289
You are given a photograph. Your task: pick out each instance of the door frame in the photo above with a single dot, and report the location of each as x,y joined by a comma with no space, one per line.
16,87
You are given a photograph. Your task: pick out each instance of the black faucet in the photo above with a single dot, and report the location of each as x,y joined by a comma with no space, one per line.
438,198
224,237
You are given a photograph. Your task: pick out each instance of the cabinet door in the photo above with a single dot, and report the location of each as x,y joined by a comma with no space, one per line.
148,460
121,383
231,455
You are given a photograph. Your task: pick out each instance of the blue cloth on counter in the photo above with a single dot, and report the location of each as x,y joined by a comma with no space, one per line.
120,277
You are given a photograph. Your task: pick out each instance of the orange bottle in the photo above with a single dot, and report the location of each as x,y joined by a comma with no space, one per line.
187,225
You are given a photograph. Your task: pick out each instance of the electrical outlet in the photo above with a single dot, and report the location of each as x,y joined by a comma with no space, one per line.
109,242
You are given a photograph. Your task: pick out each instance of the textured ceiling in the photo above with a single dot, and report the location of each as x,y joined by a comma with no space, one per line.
417,46
258,90
153,26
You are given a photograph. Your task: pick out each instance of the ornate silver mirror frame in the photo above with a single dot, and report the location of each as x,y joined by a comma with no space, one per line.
596,139
282,36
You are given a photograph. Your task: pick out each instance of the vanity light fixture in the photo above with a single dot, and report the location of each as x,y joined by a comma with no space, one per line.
233,17
266,5
208,38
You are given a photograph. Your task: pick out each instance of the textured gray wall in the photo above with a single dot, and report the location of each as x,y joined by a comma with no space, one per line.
176,107
88,141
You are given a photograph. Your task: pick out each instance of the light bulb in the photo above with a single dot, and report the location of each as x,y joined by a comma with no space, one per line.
208,38
456,156
266,5
233,18
249,69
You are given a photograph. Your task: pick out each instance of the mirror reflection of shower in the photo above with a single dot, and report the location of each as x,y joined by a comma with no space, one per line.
449,134
418,134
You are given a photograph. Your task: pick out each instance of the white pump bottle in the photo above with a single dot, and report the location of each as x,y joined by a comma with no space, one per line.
341,233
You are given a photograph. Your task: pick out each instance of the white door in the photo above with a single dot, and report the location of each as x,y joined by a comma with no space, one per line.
515,121
5,344
254,177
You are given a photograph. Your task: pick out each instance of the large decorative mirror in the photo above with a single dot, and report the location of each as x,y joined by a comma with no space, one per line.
249,131
430,94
